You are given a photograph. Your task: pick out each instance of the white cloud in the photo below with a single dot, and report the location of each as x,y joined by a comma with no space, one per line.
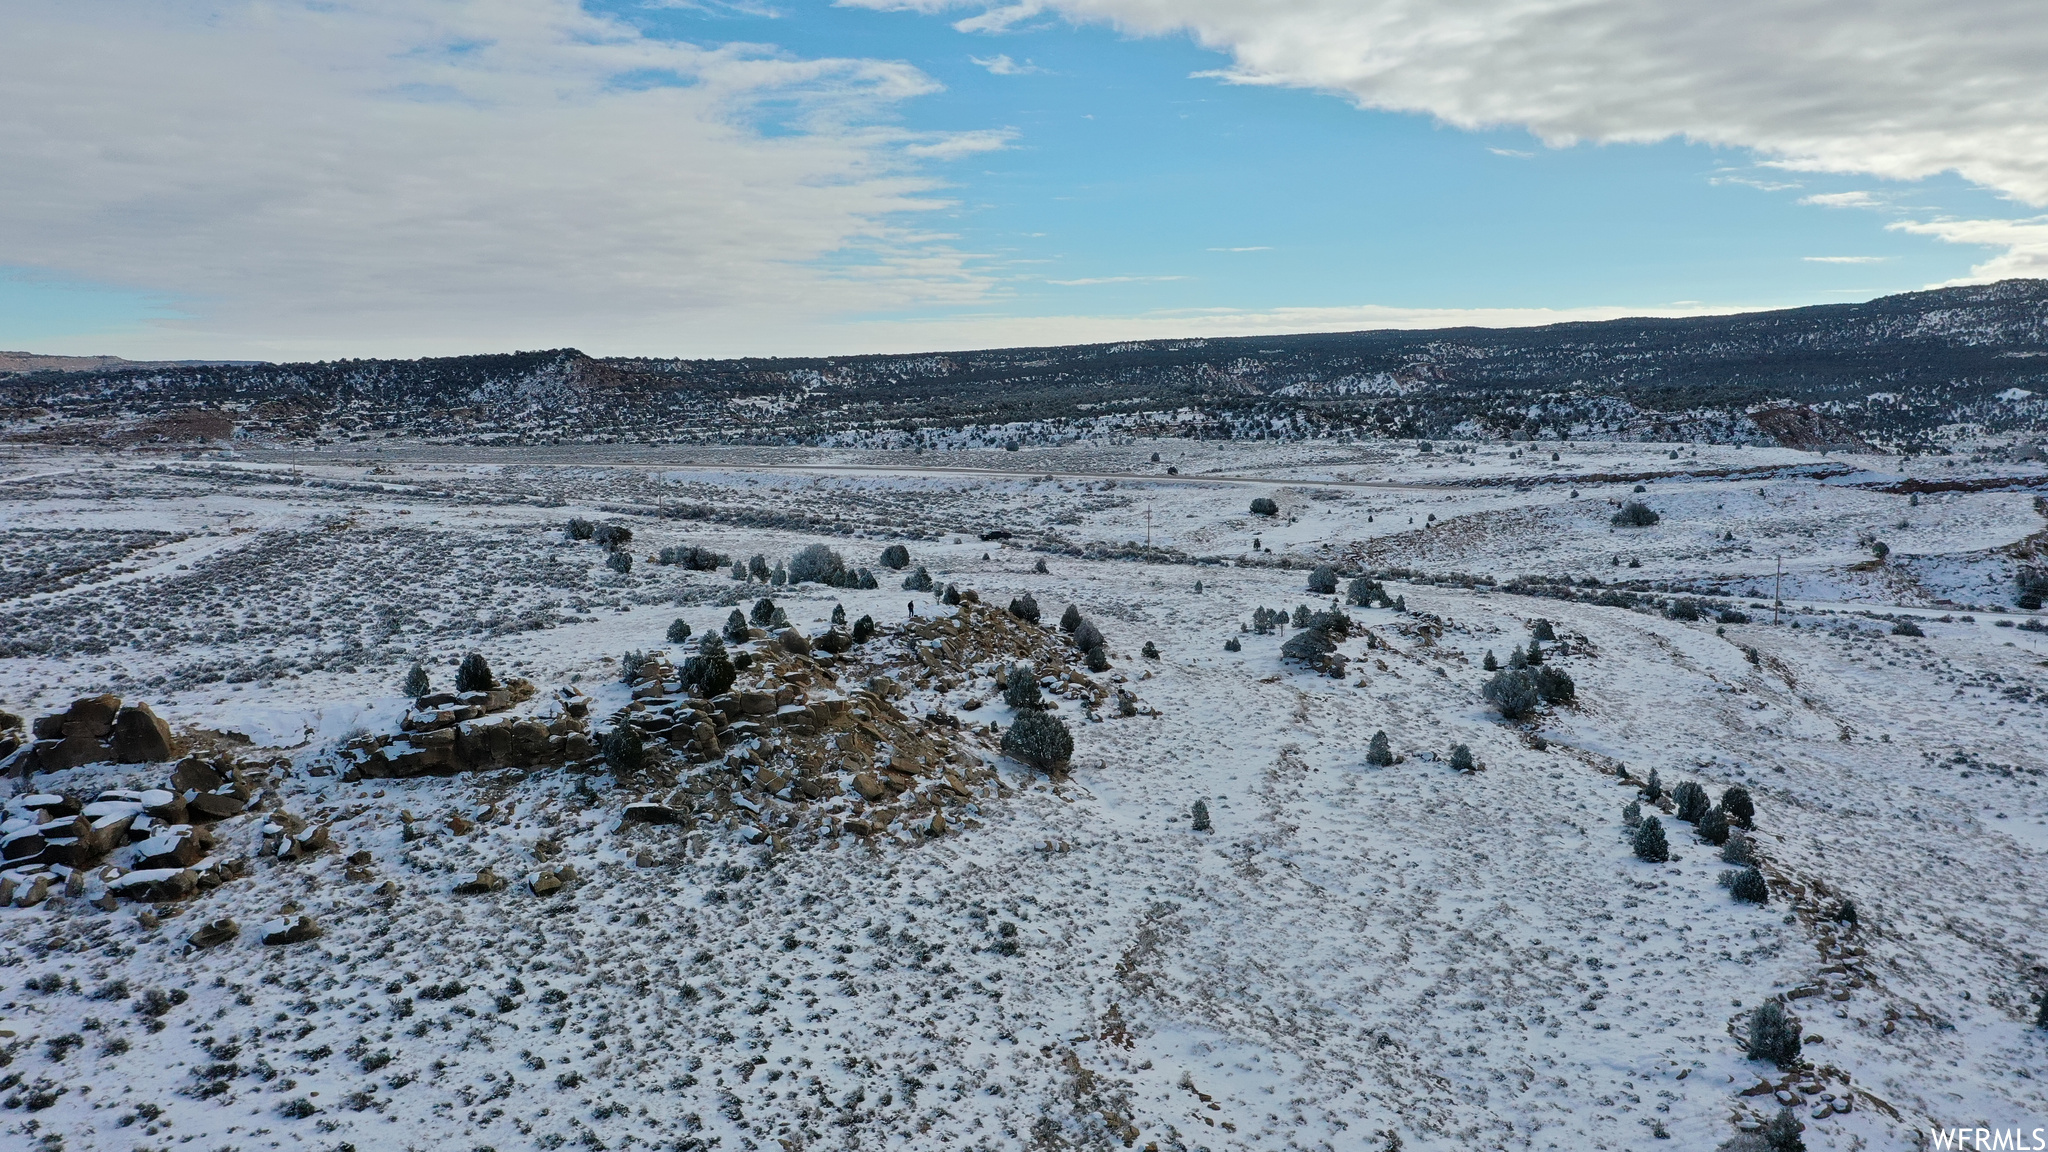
2025,243
1845,259
329,177
1899,89
1842,200
1002,65
954,145
1091,280
1513,153
1247,248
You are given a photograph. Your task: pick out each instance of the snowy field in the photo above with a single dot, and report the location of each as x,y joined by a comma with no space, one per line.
1353,956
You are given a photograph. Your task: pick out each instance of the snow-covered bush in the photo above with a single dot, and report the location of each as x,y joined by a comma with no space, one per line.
1020,687
613,536
1264,506
918,581
1649,841
1634,514
1199,817
678,630
1070,619
817,564
1691,800
417,683
620,562
1712,827
1039,739
474,674
1513,692
763,612
1740,808
624,753
1025,608
1323,581
1379,753
579,529
1773,1035
1461,758
1554,685
1746,885
895,556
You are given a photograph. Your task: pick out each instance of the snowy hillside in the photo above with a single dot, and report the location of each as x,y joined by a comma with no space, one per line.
826,904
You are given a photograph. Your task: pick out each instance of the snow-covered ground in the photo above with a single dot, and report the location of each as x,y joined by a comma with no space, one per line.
1353,957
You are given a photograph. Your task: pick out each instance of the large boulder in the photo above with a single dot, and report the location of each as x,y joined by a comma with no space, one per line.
140,736
214,933
284,930
90,718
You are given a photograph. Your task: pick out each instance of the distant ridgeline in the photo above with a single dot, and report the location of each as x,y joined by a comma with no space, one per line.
1894,371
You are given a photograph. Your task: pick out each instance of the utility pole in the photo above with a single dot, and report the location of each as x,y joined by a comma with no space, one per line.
1778,590
1148,523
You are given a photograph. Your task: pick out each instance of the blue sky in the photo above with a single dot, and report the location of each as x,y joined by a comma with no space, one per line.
1128,163
1133,186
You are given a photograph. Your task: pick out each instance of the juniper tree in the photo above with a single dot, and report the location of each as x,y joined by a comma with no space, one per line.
1747,885
1039,739
1302,615
863,629
1025,608
1513,692
1097,659
1554,685
1517,658
778,619
1070,619
1264,506
1150,651
1200,816
867,580
1632,815
1649,841
952,595
736,627
1712,827
620,562
778,577
1231,645
474,674
714,671
918,581
612,536
1542,631
896,556
1691,801
1782,1133
757,567
1461,759
1020,687
1653,788
579,528
1740,808
1040,568
623,751
1773,1035
763,612
1379,753
417,682
678,630
739,571
839,615
1361,592
630,664
1535,654
1490,664
1323,581
1087,636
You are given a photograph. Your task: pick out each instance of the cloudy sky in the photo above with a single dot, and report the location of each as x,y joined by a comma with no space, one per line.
292,179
